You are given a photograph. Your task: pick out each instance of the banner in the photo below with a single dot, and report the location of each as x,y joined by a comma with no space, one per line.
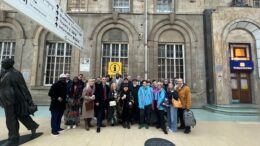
50,15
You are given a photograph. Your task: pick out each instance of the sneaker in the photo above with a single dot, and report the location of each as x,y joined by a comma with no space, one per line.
187,131
146,126
170,130
69,127
74,126
61,130
55,134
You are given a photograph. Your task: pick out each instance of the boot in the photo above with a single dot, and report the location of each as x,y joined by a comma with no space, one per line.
86,124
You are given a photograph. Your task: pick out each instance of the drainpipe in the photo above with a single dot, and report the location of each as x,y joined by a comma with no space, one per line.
145,44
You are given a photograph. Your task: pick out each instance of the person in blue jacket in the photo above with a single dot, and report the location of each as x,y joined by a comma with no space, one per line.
145,98
159,105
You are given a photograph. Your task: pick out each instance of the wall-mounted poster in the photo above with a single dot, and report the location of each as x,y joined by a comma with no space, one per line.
85,64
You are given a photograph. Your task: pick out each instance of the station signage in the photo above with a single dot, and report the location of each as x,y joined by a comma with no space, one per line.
50,15
242,65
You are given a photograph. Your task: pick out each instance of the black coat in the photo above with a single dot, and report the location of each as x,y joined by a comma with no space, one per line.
125,102
14,91
58,89
99,96
171,95
135,94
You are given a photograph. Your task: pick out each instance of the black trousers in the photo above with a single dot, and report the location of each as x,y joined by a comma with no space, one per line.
180,114
135,114
126,115
100,115
160,119
13,124
145,115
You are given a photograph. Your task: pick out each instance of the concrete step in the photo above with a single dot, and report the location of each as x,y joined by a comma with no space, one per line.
235,109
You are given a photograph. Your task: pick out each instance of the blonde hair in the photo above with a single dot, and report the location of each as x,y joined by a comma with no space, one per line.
113,85
88,84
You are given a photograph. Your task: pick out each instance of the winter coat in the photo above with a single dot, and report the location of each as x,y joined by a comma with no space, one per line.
145,96
58,89
86,96
160,96
185,96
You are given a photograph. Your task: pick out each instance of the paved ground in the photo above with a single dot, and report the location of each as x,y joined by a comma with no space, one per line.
211,130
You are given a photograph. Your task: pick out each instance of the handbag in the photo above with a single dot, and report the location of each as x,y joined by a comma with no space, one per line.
112,103
89,105
176,103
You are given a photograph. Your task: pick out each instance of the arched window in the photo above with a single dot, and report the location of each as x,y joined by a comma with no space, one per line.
115,49
171,55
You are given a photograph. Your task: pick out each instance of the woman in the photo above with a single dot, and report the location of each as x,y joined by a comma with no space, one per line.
88,103
127,103
113,96
73,104
171,110
159,106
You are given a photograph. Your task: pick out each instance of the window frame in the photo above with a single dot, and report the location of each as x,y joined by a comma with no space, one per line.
171,7
117,57
81,8
56,43
174,58
115,8
12,49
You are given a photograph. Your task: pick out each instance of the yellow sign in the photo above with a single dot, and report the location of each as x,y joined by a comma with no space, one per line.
114,67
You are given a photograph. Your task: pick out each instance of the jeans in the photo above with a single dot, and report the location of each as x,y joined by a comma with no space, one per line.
172,118
145,115
56,121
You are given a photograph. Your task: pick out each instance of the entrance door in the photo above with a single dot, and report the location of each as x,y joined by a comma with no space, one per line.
240,84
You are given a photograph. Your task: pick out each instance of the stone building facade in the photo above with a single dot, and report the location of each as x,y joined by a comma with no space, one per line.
186,38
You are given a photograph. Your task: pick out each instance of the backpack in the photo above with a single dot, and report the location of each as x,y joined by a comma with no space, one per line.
189,118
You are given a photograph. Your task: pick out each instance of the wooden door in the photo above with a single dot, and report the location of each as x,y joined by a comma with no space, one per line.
240,85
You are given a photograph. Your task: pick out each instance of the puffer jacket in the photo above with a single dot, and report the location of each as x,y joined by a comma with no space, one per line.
185,96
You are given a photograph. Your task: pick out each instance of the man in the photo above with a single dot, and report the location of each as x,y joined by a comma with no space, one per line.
136,111
101,102
16,99
81,80
130,83
57,93
185,97
118,80
165,84
145,99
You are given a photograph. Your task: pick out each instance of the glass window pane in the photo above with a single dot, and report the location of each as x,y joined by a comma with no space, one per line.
169,66
244,84
115,50
58,61
119,53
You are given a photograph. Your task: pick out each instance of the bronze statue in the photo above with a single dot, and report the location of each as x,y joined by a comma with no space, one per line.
17,102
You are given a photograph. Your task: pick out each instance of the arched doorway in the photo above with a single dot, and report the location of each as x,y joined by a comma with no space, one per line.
243,60
115,48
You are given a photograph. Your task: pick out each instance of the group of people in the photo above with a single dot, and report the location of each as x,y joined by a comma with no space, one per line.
120,101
